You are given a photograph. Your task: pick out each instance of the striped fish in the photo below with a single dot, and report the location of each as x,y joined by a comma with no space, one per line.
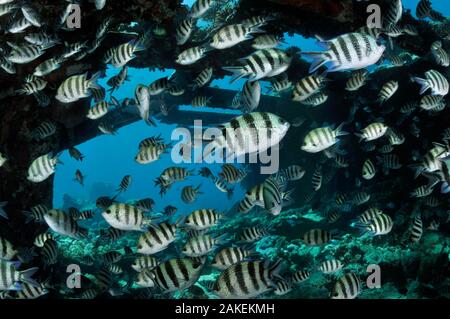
98,110
202,219
124,183
387,91
422,191
36,213
348,51
250,96
432,102
231,35
261,64
176,174
360,198
63,224
423,9
316,99
307,87
32,87
73,49
201,101
333,216
266,41
265,129
176,274
252,234
357,80
125,217
19,25
316,237
189,194
393,14
368,170
98,94
175,90
200,7
111,257
10,277
142,98
25,53
293,173
157,238
44,130
146,204
111,234
149,154
41,38
40,239
347,286
7,66
223,187
440,55
203,78
116,81
229,256
192,55
125,52
115,269
159,86
435,81
380,224
232,174
317,178
144,262
321,138
247,279
331,266
42,168
282,287
50,252
7,250
372,132
200,245
416,229
31,292
6,8
152,141
76,87
369,214
300,276
86,214
280,84
184,30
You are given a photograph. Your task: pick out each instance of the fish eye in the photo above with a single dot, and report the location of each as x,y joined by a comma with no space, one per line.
139,246
108,211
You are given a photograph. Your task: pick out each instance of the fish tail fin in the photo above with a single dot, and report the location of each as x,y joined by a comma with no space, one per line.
423,83
238,72
339,132
319,59
25,276
276,268
419,169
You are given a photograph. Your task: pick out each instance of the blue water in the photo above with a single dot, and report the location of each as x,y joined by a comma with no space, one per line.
109,158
